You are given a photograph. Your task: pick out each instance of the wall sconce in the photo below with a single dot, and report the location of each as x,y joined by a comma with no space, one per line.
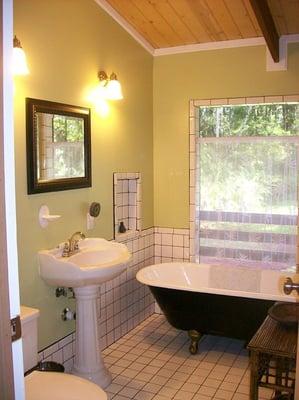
111,86
19,62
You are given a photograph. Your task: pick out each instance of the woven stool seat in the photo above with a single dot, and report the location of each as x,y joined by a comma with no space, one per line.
273,352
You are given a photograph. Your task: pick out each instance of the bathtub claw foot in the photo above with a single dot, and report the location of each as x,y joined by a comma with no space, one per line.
195,338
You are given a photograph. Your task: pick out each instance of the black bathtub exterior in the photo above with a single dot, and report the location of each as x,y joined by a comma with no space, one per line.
235,317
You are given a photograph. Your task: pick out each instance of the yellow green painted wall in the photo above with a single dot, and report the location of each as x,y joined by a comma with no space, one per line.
179,78
67,43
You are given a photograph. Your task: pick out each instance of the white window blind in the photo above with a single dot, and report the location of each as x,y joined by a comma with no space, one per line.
247,174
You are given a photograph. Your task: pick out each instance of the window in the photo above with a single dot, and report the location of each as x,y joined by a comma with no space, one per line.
246,205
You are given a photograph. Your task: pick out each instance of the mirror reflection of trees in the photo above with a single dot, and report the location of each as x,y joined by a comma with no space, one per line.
60,145
67,129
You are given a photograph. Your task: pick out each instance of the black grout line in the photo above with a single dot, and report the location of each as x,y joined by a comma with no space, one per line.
156,325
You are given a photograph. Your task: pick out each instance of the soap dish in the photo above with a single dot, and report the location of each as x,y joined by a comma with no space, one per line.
45,217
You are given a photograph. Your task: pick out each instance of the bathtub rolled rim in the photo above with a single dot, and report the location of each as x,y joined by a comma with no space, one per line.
142,278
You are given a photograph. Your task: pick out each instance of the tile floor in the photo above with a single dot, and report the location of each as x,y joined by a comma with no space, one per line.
152,362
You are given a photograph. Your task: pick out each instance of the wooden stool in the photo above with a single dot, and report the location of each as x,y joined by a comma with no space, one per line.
273,359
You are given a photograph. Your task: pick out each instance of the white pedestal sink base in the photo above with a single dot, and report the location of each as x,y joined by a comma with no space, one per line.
88,360
108,259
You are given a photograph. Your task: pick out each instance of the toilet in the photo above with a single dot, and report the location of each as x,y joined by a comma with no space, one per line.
50,385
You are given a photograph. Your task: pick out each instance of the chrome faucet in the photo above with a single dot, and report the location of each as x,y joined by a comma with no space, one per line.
71,246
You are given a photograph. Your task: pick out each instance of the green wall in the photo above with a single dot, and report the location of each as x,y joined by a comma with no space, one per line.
67,43
179,78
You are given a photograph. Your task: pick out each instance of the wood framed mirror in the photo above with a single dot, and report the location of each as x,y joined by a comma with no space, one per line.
58,146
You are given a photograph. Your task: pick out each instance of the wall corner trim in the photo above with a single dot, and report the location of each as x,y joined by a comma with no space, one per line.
282,65
124,24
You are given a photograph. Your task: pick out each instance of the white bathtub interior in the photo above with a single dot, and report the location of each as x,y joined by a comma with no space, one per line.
206,278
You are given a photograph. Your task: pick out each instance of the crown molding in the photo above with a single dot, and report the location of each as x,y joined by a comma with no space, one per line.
225,44
291,38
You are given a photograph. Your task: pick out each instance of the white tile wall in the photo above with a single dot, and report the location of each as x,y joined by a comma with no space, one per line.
62,352
123,303
127,204
171,245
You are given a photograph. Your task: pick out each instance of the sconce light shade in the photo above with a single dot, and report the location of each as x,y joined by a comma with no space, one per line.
114,91
111,85
19,62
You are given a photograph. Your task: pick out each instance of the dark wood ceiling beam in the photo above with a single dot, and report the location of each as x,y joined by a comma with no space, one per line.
267,25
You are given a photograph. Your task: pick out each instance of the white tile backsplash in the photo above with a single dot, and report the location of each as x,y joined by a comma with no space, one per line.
123,303
178,240
171,244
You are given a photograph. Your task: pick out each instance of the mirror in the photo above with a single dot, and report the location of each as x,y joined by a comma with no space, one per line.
58,146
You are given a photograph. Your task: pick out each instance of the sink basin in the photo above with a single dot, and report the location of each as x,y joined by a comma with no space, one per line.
97,261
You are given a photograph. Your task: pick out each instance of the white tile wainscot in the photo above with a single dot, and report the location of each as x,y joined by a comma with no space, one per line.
171,245
123,303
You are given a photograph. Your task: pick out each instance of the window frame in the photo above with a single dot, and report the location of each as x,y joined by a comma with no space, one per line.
193,168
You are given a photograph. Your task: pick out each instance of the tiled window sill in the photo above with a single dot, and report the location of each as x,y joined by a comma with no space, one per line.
128,235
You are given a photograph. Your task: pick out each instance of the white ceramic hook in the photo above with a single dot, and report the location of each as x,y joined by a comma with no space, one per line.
44,216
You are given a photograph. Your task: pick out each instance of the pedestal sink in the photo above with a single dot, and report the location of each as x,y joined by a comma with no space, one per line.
96,262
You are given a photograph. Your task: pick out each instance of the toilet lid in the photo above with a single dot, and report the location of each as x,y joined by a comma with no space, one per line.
59,386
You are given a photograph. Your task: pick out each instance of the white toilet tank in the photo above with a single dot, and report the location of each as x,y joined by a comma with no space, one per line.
29,318
50,385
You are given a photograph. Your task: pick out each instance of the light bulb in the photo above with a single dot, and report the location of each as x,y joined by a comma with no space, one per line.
113,90
19,62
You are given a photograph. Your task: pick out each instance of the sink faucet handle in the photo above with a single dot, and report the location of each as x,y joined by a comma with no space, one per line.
72,245
66,249
80,234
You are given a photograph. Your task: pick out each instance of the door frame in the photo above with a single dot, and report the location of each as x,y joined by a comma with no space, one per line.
11,354
6,364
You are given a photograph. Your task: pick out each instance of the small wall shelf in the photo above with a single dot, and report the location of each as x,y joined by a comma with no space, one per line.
45,217
127,204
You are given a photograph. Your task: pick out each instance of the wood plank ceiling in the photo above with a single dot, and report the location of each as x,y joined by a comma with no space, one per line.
169,23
